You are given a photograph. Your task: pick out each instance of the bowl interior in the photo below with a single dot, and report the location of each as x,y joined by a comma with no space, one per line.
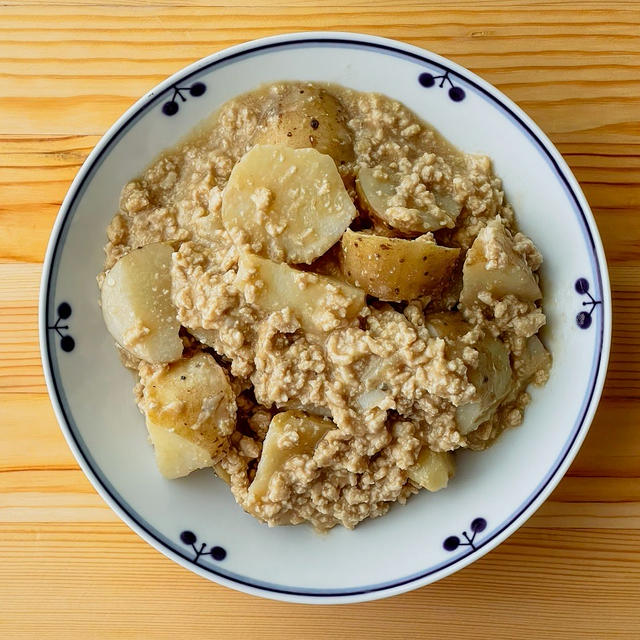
492,492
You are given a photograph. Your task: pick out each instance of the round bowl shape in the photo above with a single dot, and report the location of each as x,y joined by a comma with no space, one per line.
195,521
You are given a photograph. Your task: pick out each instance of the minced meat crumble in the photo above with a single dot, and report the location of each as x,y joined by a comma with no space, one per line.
390,382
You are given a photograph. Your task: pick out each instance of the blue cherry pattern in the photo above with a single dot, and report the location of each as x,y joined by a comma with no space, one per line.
67,343
428,80
172,106
190,539
478,525
584,319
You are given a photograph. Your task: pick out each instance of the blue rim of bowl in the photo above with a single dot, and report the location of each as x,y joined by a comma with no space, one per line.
86,173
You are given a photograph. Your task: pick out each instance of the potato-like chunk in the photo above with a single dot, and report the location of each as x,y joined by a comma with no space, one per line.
376,188
207,337
292,202
493,381
175,455
320,303
191,398
534,363
136,304
448,325
395,269
494,266
291,433
222,474
432,469
309,117
492,377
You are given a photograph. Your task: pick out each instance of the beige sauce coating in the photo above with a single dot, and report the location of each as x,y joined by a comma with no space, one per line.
389,383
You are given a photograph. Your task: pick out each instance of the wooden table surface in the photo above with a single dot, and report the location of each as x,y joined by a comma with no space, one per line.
68,567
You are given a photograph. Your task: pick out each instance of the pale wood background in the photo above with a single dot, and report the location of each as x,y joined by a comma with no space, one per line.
68,567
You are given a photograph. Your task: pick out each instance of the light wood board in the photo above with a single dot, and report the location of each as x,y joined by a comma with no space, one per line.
68,567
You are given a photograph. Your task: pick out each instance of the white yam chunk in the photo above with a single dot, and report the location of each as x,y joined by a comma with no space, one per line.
208,337
175,455
222,473
493,381
492,377
193,399
320,303
291,433
534,363
432,469
137,307
494,266
291,202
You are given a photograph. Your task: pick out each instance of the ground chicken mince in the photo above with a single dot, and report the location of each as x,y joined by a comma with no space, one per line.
345,286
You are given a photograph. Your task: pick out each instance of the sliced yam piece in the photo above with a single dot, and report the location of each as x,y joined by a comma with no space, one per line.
309,117
492,377
448,325
535,361
291,433
222,473
493,381
208,337
175,455
136,304
432,469
494,266
395,269
193,399
320,303
376,188
290,202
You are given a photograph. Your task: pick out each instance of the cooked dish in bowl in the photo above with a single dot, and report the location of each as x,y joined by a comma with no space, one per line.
322,300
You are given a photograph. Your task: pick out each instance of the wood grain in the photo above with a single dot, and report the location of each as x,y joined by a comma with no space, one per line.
68,567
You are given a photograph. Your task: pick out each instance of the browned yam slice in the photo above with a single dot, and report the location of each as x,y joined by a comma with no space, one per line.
395,269
309,117
291,433
191,398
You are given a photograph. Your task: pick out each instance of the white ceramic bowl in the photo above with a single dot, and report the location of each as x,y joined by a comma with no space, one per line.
195,521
